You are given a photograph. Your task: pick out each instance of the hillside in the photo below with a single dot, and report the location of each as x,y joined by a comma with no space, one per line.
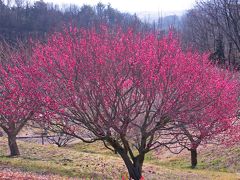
93,160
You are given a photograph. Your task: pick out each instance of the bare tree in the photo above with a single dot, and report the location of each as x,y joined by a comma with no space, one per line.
211,19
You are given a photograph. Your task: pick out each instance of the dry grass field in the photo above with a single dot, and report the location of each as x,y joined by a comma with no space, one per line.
93,161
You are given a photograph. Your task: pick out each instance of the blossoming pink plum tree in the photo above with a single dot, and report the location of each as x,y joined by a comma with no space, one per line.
18,99
212,120
129,90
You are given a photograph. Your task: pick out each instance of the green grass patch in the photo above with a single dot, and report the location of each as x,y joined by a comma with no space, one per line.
92,148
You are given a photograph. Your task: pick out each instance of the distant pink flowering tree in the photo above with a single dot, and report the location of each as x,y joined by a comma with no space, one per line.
129,90
18,98
207,123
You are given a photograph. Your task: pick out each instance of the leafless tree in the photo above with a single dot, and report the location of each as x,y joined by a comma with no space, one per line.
211,21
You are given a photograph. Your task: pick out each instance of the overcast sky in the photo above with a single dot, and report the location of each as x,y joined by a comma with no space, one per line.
132,6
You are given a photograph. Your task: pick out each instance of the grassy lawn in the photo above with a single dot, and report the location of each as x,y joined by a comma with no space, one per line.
93,160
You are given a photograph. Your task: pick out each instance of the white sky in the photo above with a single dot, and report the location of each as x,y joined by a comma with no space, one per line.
132,6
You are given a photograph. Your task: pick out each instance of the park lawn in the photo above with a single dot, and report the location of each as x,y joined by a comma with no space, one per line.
94,161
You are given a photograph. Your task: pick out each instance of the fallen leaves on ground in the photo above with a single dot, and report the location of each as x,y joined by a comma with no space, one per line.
12,174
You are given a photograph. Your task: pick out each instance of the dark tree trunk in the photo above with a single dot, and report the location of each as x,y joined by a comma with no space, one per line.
13,145
133,164
135,168
138,163
193,158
